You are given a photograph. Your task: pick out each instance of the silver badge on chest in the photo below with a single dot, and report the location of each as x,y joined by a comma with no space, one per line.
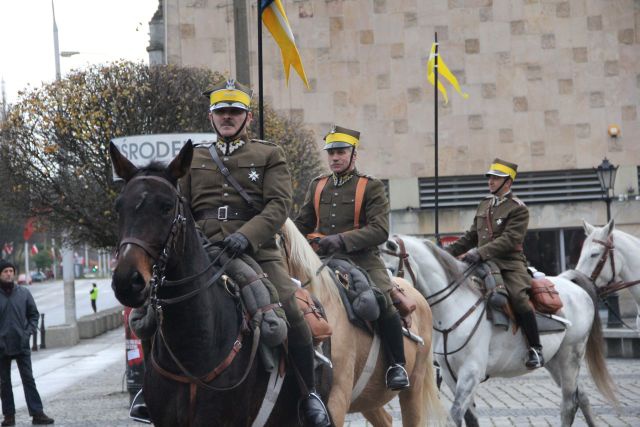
499,221
254,175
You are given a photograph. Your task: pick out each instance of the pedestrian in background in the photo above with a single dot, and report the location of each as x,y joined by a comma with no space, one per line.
18,321
93,294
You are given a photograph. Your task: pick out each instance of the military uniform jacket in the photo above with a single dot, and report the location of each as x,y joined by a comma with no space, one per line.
337,209
260,168
498,232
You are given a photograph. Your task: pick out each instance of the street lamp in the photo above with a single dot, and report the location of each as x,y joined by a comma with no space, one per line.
607,177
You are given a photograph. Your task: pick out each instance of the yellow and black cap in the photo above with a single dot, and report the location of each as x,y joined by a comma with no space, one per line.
229,94
503,169
340,137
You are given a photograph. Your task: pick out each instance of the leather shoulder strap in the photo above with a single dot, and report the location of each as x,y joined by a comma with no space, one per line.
360,187
489,221
316,198
231,180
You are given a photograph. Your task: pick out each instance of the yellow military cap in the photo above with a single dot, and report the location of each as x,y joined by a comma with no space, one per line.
340,137
229,94
502,168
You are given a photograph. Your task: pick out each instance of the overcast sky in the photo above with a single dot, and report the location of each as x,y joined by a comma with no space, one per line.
102,30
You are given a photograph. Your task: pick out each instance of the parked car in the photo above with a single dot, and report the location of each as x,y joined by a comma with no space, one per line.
38,276
22,280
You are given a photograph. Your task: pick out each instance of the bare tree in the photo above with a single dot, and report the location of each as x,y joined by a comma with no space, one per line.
54,160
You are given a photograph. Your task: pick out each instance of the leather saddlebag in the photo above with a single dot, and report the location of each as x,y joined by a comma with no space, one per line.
320,328
402,302
544,296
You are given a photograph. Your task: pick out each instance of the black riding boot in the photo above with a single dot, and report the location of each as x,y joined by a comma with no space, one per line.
139,411
393,342
314,411
530,328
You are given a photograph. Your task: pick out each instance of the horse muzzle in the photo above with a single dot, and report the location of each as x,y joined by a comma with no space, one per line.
131,277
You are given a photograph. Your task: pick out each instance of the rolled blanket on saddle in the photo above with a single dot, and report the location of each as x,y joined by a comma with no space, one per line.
356,284
258,294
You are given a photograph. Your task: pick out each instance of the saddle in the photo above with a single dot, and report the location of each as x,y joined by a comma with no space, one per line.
499,310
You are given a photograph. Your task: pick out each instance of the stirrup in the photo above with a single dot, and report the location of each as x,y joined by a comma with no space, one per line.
138,410
397,383
319,407
534,358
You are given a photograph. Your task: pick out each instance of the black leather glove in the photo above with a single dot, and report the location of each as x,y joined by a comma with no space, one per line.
236,243
472,256
331,244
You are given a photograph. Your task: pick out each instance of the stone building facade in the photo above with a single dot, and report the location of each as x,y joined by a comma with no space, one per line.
545,79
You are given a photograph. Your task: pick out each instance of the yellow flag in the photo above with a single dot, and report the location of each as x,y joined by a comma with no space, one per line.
444,71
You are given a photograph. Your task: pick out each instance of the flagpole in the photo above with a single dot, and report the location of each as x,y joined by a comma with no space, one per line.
260,79
435,116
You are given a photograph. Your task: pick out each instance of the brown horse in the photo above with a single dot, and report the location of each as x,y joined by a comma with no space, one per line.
204,370
350,347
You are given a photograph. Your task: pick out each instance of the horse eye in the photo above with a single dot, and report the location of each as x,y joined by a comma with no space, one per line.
595,254
166,207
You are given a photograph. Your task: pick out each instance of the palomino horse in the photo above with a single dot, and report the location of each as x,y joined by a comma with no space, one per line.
204,371
470,350
350,347
610,259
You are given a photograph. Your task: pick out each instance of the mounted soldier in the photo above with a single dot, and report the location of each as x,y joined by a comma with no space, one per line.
329,216
497,235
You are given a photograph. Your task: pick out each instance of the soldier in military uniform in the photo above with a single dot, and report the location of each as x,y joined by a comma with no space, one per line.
497,234
246,219
353,238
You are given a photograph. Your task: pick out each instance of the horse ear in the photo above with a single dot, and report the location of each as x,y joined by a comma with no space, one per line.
588,228
122,166
182,162
609,227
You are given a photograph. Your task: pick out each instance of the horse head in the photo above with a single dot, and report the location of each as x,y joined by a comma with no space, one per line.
597,254
148,207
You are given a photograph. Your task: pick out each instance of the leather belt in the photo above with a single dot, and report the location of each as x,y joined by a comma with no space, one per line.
224,213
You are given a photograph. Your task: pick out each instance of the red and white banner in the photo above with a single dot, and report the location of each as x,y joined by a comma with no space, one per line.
34,249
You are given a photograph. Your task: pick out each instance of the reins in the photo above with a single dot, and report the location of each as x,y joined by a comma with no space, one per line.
448,290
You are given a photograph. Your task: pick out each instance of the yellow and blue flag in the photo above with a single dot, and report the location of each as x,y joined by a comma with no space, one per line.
444,71
275,19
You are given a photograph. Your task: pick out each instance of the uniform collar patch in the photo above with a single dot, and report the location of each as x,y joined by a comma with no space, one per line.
228,148
339,181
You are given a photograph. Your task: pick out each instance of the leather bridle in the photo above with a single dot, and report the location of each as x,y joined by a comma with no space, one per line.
441,295
403,260
611,286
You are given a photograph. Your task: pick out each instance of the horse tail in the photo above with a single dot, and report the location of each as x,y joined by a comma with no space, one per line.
435,413
595,344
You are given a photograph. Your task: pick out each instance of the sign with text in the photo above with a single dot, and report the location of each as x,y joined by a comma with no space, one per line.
142,149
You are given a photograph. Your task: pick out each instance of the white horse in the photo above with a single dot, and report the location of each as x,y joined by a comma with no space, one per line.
469,349
610,258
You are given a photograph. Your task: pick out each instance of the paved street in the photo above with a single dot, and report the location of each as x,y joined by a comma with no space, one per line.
83,386
49,297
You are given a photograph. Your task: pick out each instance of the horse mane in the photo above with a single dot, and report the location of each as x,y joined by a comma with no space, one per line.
304,264
452,268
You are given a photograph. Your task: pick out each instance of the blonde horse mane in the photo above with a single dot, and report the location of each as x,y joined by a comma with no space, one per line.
304,264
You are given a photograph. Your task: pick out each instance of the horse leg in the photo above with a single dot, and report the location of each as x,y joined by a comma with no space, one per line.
564,368
379,417
464,391
470,418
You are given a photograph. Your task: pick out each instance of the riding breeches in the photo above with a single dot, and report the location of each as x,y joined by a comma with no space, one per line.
381,280
517,284
299,333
